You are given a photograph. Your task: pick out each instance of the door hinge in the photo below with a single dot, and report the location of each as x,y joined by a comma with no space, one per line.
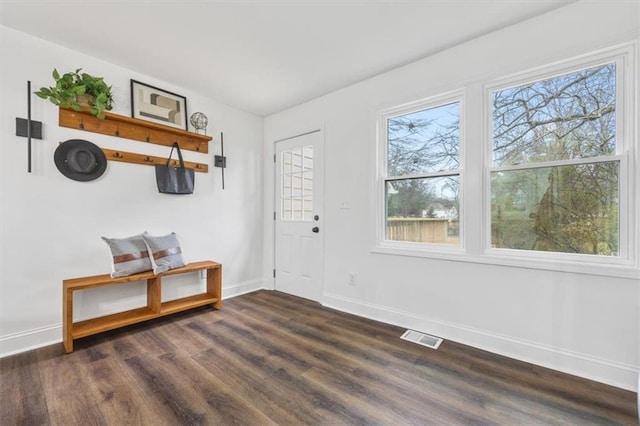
274,215
274,273
274,158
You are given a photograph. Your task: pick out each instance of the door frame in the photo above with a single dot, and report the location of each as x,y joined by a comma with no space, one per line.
274,180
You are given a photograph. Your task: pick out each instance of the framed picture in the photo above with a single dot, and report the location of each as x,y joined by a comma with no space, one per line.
158,106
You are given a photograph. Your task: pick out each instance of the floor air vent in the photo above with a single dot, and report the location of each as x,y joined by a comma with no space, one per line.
422,339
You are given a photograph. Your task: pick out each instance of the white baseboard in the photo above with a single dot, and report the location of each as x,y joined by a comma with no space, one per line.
31,339
601,370
44,336
242,288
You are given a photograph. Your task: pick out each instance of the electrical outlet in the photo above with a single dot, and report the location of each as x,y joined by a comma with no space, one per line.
353,278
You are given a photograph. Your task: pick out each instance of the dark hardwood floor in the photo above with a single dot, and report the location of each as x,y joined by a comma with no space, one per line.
270,358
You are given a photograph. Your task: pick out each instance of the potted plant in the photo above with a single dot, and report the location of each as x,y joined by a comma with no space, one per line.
75,90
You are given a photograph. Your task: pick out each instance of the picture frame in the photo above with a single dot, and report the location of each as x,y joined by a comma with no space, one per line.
158,106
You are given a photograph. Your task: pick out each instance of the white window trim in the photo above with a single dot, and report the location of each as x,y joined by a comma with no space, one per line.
475,244
399,247
623,58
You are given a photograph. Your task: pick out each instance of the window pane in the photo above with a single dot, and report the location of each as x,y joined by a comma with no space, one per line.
286,162
424,141
307,213
296,160
296,208
308,157
307,182
296,185
286,209
423,210
566,117
568,209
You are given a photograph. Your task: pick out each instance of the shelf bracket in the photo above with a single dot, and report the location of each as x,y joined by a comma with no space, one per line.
28,128
221,160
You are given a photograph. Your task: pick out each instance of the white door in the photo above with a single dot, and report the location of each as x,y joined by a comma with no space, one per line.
298,216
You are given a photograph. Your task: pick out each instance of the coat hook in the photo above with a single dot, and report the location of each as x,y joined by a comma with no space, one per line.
118,130
148,136
81,123
147,158
118,155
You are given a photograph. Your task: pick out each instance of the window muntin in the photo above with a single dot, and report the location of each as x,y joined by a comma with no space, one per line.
555,177
422,185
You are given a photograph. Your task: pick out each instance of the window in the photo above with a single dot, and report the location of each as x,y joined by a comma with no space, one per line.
556,167
547,173
296,184
422,180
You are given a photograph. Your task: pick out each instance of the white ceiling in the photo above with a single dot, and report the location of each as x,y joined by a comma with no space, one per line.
263,56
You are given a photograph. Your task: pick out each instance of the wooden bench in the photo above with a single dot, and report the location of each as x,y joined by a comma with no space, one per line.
155,307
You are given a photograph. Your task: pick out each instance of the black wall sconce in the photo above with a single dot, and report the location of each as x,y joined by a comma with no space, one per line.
221,160
28,128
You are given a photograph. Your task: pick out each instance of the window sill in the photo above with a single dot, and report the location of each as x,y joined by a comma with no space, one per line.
458,254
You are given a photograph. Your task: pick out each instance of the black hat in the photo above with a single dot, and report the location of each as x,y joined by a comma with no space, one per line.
80,160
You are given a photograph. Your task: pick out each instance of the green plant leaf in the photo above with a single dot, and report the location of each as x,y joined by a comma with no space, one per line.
70,85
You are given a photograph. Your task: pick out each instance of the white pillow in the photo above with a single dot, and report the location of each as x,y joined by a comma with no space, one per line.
129,255
165,250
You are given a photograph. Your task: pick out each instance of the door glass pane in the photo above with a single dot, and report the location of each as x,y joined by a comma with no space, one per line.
308,158
286,162
307,213
307,184
286,185
286,209
296,184
296,160
296,208
296,191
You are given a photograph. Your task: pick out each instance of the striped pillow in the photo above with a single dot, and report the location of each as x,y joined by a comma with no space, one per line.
165,250
130,255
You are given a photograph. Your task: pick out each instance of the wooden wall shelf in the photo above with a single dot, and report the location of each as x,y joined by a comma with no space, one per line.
150,160
134,129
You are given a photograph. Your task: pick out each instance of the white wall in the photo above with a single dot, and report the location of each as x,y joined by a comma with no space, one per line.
51,225
582,324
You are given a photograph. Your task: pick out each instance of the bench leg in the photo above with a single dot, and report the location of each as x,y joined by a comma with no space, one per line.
214,285
67,320
154,296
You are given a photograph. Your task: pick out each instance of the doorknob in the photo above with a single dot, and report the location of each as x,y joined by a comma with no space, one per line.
315,229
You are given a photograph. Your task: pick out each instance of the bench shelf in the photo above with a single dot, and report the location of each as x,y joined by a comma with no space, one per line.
154,309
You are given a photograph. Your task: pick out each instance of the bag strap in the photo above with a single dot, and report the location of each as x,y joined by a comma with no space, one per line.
177,147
